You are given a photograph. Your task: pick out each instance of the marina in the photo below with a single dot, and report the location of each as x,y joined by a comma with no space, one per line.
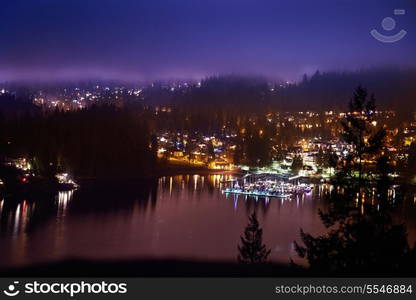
268,185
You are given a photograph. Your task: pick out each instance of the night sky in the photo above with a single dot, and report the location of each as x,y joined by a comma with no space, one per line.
166,39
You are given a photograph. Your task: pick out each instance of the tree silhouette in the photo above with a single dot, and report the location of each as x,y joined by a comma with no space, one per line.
361,134
361,236
252,249
99,141
365,243
257,143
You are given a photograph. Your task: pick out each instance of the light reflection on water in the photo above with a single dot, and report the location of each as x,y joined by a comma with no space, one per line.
63,198
17,217
19,214
184,216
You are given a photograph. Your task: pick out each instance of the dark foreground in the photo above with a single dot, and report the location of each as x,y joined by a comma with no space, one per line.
176,268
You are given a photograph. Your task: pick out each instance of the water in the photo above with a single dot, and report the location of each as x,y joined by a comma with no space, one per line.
180,217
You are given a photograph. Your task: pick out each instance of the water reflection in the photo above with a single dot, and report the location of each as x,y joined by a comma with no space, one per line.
97,199
63,198
15,217
184,216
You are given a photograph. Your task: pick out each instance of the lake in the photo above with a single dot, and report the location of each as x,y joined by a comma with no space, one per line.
178,217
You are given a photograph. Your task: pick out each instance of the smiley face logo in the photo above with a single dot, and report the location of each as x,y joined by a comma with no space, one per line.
389,24
11,290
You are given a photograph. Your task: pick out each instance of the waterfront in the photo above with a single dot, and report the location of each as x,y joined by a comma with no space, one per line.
184,217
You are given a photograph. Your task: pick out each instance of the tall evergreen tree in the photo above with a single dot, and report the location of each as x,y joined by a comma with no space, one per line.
361,237
252,249
360,133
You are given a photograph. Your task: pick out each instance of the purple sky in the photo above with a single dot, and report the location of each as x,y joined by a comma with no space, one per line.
161,39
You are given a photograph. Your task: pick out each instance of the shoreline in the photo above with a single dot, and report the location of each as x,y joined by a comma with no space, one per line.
184,268
169,171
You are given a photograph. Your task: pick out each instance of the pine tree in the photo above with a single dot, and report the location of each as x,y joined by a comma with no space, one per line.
252,249
359,239
360,133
